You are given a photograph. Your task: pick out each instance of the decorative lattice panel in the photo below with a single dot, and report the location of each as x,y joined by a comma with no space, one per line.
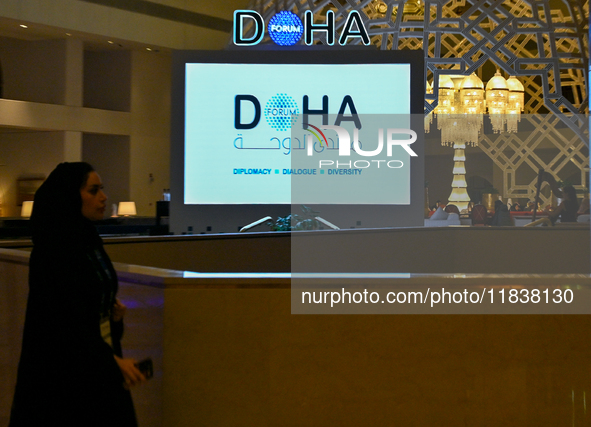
542,42
545,142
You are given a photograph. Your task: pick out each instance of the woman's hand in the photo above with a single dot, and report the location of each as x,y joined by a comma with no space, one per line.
118,311
131,374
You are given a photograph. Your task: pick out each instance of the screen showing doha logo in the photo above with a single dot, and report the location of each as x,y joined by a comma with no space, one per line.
246,141
269,133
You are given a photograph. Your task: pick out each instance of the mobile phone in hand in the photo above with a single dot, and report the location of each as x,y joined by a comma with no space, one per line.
146,367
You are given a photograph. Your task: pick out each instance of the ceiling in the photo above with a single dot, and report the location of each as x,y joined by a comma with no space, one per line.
206,10
12,28
34,32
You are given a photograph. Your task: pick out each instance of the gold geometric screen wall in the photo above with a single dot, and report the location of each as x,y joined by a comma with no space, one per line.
543,43
544,142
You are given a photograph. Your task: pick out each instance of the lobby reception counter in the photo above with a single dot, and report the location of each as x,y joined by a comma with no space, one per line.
234,355
463,249
228,352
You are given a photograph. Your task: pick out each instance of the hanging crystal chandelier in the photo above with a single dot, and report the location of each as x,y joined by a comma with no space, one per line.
460,112
460,122
460,109
462,105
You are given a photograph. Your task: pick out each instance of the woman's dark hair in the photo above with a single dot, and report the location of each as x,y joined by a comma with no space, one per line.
57,210
569,190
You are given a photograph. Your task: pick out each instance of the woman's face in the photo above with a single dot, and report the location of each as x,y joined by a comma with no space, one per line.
93,198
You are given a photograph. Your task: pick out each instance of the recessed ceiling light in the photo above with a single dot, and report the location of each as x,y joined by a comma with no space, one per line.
149,48
68,34
24,26
110,42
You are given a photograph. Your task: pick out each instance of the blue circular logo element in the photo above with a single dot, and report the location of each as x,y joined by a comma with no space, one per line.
281,112
285,28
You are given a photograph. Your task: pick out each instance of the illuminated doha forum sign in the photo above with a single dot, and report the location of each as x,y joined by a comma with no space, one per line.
286,28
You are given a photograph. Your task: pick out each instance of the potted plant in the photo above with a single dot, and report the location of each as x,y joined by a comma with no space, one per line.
306,221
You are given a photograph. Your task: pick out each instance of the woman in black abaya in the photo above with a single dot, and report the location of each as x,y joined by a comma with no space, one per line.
71,371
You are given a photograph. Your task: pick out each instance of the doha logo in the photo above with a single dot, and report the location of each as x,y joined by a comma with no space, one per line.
285,28
281,112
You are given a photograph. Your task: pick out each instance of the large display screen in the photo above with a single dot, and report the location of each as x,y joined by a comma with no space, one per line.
238,142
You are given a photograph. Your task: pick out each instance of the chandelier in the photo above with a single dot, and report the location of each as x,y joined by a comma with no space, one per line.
463,100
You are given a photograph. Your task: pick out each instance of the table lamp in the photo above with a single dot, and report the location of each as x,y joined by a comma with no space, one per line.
126,209
27,209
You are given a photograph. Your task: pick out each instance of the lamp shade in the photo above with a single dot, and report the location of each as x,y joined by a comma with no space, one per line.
445,82
459,168
514,103
459,194
459,181
497,93
126,208
472,95
459,156
515,94
446,95
27,209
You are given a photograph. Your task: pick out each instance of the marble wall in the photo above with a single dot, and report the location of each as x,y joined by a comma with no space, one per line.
238,357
